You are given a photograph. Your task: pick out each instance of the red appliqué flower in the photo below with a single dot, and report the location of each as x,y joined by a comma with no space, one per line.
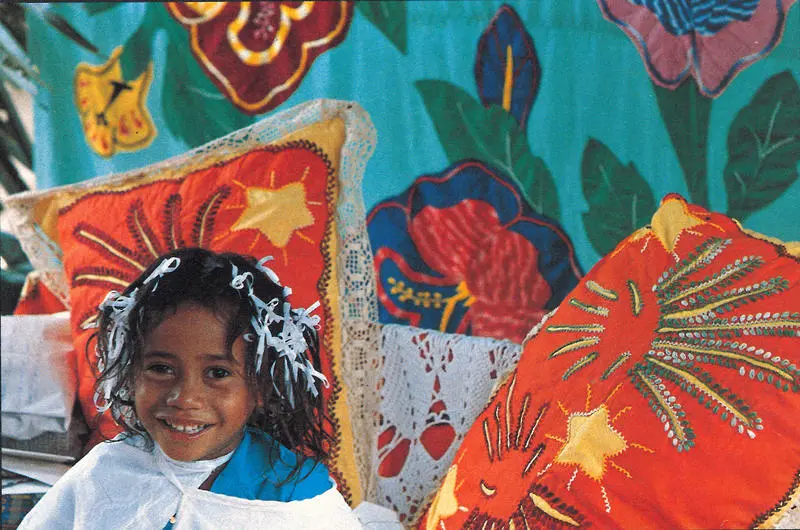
462,252
257,53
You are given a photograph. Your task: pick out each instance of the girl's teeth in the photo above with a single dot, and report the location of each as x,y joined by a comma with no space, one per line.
190,429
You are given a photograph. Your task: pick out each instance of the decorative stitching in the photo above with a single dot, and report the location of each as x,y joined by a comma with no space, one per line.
108,246
581,363
592,309
143,236
586,328
102,276
171,227
206,216
636,298
794,489
331,192
577,344
619,361
601,291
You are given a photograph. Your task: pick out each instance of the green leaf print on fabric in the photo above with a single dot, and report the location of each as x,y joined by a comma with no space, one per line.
137,52
764,147
620,200
467,129
389,18
194,108
685,112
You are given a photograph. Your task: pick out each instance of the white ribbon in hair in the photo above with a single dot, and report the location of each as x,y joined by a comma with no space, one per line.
271,273
121,306
290,343
165,267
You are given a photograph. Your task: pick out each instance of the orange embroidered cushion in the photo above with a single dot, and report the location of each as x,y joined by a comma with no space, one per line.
270,201
664,392
259,193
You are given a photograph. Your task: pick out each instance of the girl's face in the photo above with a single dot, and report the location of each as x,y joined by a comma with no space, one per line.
192,399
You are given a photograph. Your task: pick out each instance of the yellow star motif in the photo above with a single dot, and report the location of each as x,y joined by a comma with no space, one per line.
590,442
671,220
276,213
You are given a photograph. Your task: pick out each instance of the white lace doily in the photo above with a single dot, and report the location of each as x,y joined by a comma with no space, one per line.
468,370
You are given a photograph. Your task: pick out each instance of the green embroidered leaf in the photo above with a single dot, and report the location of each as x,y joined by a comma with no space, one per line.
137,51
764,147
620,200
194,109
467,129
389,18
685,112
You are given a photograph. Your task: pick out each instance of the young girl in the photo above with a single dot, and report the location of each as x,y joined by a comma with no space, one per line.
211,373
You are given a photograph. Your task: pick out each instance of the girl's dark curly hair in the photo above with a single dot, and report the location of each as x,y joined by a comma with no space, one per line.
204,277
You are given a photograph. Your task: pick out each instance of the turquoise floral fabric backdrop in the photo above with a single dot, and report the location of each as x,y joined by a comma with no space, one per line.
518,142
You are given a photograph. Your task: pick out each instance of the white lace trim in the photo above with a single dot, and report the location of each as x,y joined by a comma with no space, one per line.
412,359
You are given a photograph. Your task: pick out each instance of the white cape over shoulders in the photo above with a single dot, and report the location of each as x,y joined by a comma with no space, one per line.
117,485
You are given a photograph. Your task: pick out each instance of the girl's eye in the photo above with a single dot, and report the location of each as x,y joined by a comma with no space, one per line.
218,373
158,368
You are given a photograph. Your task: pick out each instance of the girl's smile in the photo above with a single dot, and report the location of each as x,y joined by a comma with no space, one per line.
191,393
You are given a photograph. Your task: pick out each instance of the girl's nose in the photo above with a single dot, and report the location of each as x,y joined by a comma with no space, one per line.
185,394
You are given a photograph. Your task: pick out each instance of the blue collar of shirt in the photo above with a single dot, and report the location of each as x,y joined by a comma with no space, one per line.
259,468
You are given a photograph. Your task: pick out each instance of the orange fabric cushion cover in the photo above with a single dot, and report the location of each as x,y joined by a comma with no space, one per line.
273,201
685,337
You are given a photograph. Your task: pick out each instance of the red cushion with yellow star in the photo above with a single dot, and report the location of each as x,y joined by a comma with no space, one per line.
664,392
271,201
274,188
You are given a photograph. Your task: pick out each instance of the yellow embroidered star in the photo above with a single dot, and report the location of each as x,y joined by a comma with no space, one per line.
276,213
590,442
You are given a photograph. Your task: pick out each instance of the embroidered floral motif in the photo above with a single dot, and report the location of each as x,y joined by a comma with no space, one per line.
113,110
131,261
462,252
712,40
257,53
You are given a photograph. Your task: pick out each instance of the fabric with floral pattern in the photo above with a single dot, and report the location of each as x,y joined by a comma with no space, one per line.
257,53
711,40
113,111
463,252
